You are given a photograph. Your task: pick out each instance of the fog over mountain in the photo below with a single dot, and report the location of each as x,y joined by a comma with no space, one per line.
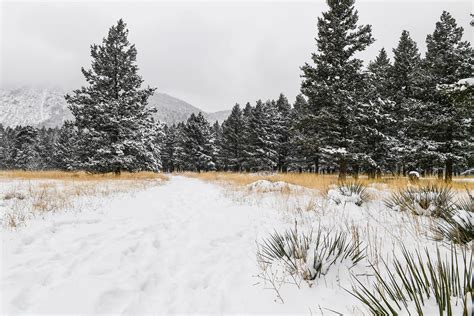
47,107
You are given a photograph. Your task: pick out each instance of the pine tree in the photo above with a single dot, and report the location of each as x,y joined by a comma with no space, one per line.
46,139
406,67
8,148
169,148
116,131
65,148
304,146
215,144
282,127
181,143
380,71
233,141
197,147
331,85
3,147
261,149
247,115
408,110
25,151
448,59
377,123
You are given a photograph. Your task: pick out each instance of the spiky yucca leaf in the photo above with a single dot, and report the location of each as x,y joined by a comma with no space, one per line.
413,281
309,254
431,199
354,192
457,229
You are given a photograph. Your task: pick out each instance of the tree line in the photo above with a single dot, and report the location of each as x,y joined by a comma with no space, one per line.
412,113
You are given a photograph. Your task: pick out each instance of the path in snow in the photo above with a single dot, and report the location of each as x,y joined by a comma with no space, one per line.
179,247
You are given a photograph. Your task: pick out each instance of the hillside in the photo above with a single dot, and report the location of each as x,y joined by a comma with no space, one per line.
47,107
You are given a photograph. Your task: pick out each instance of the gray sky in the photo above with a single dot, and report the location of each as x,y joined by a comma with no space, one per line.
210,54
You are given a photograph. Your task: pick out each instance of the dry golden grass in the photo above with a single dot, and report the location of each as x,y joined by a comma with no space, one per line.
38,192
78,175
316,181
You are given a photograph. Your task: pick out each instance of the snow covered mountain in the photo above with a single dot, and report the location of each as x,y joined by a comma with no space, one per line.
47,107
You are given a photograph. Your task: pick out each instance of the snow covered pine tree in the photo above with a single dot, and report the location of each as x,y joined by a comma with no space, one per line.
448,60
116,131
332,85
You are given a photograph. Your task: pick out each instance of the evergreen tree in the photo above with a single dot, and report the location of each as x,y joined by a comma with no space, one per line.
331,85
304,146
46,139
448,59
261,150
247,117
25,151
179,147
169,148
65,148
215,143
197,147
282,127
377,123
116,131
380,71
233,141
3,147
406,67
412,146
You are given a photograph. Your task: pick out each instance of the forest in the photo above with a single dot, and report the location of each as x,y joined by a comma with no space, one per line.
412,113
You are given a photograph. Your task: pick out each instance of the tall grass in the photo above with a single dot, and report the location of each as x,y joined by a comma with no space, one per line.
78,175
38,192
317,181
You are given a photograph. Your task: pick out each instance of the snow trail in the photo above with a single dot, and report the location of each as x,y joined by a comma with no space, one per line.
179,247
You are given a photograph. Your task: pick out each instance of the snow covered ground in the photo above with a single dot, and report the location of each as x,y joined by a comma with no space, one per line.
186,246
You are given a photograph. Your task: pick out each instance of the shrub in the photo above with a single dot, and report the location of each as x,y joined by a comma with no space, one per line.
458,228
431,200
349,192
309,255
413,281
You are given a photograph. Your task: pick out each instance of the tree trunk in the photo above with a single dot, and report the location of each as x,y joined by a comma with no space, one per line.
379,173
355,170
371,174
440,174
316,165
449,171
342,169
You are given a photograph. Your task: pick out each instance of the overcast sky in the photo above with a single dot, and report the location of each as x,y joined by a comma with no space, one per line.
210,54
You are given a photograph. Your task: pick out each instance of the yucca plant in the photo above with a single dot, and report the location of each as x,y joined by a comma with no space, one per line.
459,227
413,283
466,204
309,254
355,192
431,200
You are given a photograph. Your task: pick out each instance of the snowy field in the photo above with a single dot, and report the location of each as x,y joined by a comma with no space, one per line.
190,246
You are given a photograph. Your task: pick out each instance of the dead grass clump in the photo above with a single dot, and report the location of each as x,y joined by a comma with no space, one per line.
36,196
14,195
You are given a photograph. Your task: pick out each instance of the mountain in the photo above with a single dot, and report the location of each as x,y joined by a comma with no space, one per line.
171,110
47,107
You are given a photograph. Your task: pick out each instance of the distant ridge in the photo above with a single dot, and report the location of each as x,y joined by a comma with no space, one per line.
47,107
